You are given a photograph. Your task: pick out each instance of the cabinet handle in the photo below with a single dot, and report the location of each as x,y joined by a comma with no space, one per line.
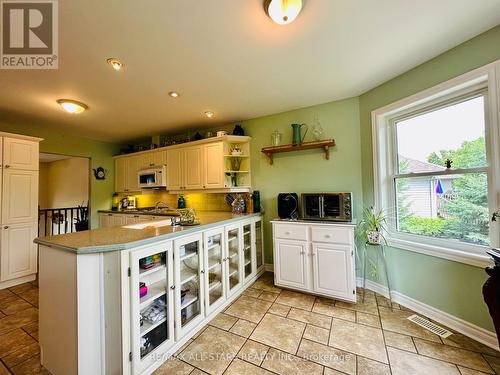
110,214
302,252
287,233
7,166
202,271
6,227
327,236
172,287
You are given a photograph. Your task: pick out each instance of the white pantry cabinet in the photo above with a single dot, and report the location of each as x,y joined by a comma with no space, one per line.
20,154
19,196
18,252
19,208
316,258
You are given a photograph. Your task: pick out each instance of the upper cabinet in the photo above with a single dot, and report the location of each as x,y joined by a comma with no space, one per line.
20,154
220,164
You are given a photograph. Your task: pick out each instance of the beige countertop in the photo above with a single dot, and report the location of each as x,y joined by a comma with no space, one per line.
120,238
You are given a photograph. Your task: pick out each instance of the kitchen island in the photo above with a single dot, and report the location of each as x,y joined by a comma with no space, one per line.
122,300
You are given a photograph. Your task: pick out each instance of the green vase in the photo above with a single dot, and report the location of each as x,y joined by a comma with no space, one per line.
297,139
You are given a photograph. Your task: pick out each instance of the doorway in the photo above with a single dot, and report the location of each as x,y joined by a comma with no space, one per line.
63,194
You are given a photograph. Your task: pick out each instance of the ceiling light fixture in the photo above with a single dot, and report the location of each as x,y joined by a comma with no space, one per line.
115,63
174,94
283,12
72,106
209,114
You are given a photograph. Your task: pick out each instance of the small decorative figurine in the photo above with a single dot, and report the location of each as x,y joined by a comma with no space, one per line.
238,130
448,163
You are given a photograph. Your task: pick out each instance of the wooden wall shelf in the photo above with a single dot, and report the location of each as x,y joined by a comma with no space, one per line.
325,145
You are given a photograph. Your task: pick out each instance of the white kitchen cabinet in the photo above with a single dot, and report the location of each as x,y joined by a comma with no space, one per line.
120,174
19,196
126,177
20,154
215,272
175,169
249,251
316,258
213,165
153,158
131,174
234,259
333,280
291,264
18,255
193,168
151,338
189,286
259,244
202,165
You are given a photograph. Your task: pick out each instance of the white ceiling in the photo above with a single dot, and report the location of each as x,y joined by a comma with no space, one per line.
49,158
229,57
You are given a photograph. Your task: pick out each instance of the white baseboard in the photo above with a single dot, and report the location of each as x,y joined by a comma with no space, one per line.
468,329
269,267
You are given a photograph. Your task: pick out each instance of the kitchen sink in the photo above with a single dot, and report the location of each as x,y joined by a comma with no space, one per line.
150,224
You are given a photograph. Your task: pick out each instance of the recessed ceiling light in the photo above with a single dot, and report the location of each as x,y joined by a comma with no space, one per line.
72,106
283,12
174,94
209,114
115,63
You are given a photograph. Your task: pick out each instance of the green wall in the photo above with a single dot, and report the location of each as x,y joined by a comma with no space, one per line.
306,171
57,142
449,286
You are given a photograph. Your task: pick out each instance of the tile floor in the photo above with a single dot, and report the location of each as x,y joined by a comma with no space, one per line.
19,350
268,330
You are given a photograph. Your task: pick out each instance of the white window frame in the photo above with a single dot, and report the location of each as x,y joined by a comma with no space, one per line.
486,79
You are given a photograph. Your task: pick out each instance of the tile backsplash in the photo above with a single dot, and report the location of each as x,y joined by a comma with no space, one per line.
198,201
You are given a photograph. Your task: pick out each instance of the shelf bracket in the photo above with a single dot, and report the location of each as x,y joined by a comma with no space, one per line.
327,152
270,157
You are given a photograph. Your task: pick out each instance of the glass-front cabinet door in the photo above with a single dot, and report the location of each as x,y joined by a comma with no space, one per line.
188,257
249,263
213,245
259,247
234,258
152,330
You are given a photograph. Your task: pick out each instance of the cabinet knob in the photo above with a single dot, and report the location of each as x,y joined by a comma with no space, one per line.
7,166
328,236
302,252
6,227
172,287
287,233
202,271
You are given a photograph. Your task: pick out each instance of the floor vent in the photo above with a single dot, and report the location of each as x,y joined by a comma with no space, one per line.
428,325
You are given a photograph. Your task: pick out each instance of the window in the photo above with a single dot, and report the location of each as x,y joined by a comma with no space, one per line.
436,167
431,199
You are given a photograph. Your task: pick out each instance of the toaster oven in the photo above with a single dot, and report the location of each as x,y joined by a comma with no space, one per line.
327,206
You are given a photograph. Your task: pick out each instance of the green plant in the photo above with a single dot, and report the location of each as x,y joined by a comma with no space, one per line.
373,221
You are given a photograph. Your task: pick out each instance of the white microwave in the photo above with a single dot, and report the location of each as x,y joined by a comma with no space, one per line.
154,177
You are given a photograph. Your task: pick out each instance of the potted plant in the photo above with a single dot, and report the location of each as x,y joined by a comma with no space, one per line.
372,226
82,218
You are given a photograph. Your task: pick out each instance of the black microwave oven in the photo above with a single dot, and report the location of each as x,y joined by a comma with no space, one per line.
327,206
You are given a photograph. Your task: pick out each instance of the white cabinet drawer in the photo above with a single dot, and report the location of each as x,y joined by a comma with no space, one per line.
331,234
291,231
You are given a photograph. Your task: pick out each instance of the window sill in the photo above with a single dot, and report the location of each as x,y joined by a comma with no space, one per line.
460,256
